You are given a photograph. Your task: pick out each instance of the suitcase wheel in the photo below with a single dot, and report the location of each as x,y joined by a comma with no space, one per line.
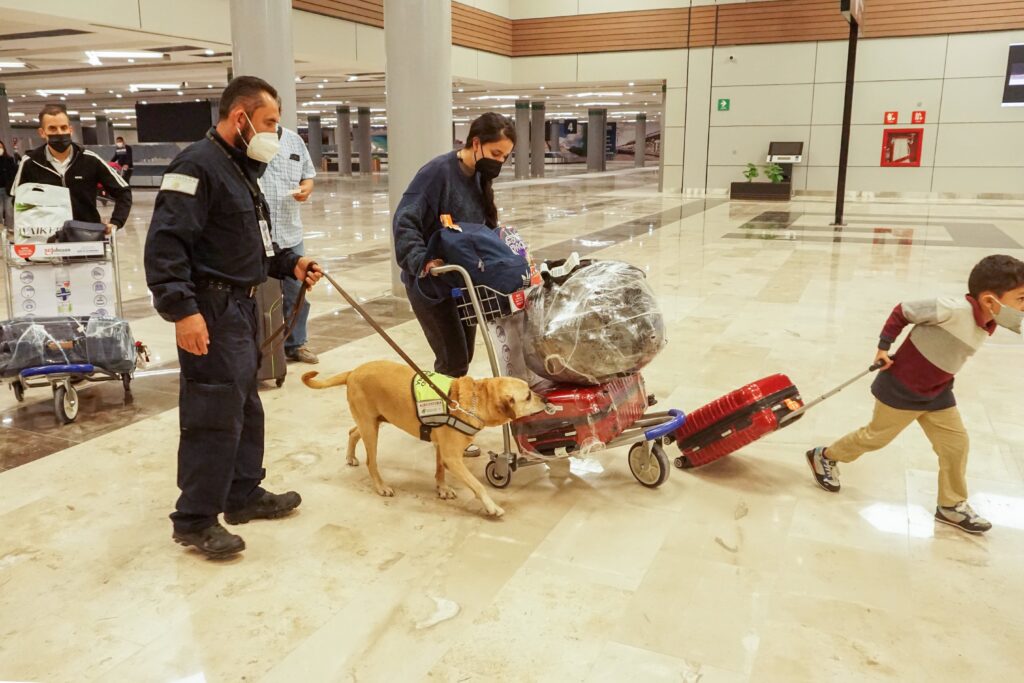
648,463
683,463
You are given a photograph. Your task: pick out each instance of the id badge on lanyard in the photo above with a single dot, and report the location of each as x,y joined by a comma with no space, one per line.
268,244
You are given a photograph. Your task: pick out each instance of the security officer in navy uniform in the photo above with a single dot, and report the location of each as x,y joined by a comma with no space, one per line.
208,248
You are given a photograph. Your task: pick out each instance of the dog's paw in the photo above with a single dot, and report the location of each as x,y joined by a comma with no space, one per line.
386,491
494,510
352,462
446,492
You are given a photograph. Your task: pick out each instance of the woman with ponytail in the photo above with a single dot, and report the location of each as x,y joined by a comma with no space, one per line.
457,184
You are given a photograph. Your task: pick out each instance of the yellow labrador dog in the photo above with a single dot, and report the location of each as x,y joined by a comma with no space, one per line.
380,392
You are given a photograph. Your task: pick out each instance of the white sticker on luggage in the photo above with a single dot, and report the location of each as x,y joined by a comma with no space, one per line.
177,182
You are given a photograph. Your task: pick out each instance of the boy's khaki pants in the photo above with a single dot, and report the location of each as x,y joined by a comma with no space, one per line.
944,429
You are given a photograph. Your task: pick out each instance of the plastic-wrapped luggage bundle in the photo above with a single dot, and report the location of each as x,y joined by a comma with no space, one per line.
602,322
34,342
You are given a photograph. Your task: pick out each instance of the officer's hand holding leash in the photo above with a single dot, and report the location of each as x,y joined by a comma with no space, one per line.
307,270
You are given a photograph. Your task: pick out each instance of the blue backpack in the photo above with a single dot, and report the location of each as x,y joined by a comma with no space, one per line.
483,253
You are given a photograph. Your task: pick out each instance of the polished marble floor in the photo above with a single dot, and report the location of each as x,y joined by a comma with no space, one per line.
740,571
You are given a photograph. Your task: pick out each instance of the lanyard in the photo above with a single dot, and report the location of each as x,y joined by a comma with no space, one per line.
254,190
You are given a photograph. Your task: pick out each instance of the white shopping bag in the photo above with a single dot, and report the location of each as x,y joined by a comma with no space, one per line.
40,211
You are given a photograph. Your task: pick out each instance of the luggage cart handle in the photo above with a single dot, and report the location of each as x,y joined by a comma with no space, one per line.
677,421
829,394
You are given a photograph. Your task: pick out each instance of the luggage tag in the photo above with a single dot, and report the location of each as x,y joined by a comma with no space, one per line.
268,244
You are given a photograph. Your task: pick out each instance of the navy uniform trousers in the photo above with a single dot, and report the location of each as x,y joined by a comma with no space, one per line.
220,452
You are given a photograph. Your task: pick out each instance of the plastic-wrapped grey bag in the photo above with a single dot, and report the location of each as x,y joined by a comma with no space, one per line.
602,322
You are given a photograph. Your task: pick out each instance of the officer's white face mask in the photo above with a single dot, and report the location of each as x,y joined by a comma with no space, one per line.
262,147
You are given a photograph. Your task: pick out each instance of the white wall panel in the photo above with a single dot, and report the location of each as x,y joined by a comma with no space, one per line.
627,66
465,62
698,94
672,143
671,178
981,145
370,46
979,180
765,64
889,59
872,99
500,7
830,66
598,6
553,69
738,146
769,105
980,54
531,9
888,179
967,100
321,39
119,13
196,19
495,68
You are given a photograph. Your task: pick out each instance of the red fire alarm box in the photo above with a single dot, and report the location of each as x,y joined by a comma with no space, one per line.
902,147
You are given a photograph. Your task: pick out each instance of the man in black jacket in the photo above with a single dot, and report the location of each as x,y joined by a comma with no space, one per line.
209,247
62,162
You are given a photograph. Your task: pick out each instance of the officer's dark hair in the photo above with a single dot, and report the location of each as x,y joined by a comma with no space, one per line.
490,127
119,138
997,274
52,110
246,91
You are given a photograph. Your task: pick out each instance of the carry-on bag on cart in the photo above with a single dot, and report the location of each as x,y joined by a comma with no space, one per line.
582,419
270,302
741,417
40,342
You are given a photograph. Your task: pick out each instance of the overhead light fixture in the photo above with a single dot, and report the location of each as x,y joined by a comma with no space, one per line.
118,111
16,114
137,87
600,94
209,85
319,86
600,104
323,103
95,57
495,97
353,78
61,91
180,93
631,84
325,81
208,52
13,65
118,95
542,87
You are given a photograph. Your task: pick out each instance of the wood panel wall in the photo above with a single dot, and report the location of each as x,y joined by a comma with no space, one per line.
748,23
611,32
368,12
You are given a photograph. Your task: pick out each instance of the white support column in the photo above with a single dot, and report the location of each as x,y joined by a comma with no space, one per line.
261,45
364,142
698,120
522,139
343,139
5,119
417,41
640,141
102,130
316,139
76,127
596,120
537,141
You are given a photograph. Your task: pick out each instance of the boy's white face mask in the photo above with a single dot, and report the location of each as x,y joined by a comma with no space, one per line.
1008,317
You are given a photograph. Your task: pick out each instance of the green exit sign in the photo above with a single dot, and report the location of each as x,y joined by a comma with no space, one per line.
723,104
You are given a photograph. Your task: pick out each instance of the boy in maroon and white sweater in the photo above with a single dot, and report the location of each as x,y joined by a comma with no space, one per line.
916,384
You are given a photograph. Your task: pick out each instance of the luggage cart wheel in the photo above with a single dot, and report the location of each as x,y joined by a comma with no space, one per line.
648,463
65,403
19,391
126,382
494,478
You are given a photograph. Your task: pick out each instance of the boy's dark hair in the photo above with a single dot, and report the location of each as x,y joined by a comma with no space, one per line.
997,274
52,110
246,91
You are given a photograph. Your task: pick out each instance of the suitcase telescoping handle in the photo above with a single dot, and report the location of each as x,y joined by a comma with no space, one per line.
829,394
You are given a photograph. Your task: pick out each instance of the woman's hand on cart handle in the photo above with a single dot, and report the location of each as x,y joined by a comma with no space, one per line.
110,228
430,265
308,271
882,361
192,335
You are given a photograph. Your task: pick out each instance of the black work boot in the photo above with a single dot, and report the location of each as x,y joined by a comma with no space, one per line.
213,541
267,506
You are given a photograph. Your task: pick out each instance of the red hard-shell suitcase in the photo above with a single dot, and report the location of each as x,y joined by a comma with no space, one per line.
585,418
736,420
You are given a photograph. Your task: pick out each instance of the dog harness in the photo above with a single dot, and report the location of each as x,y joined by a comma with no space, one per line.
432,409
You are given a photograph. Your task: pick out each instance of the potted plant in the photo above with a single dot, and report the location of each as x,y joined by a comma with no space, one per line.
777,189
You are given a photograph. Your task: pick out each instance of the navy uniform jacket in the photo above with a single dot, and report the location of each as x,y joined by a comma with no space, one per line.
205,227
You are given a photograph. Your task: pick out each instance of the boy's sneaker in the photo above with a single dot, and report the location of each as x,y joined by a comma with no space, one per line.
825,471
963,516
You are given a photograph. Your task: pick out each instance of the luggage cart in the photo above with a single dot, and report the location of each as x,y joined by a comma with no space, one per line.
24,274
648,434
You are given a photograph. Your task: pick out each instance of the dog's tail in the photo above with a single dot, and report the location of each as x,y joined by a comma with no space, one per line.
309,379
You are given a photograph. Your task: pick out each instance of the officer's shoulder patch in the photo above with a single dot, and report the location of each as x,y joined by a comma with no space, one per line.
179,182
